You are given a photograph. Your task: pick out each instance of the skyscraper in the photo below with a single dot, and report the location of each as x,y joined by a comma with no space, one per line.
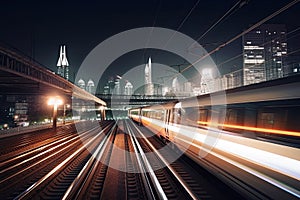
264,53
175,85
149,88
128,88
81,83
90,86
117,88
276,50
62,63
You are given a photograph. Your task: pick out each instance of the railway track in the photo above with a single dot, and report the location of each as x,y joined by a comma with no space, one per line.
190,177
50,139
35,164
117,161
119,180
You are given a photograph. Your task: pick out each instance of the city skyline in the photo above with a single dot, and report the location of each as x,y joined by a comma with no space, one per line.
36,37
157,99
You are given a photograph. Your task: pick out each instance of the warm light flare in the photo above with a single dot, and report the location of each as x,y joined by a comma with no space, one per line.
265,130
55,101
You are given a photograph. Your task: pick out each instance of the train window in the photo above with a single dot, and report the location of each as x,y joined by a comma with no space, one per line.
235,116
273,119
154,114
190,116
267,120
232,117
151,114
162,115
134,112
145,113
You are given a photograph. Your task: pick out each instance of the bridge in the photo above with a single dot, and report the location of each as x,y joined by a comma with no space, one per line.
129,101
18,71
26,83
118,105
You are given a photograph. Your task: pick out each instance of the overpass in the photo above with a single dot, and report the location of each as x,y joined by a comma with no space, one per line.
113,100
19,71
22,78
118,105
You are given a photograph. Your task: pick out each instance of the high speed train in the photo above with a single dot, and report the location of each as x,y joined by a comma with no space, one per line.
249,136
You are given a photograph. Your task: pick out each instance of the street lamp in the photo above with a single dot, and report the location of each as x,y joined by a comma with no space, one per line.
55,101
16,119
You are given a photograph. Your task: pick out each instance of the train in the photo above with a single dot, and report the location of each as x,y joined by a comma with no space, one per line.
249,136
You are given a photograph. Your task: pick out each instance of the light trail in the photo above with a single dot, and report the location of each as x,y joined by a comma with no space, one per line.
249,128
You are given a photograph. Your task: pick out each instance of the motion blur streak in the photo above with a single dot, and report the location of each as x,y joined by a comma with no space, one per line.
254,172
265,130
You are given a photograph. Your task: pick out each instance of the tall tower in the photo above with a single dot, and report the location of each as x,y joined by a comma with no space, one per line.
62,63
149,89
253,57
275,50
148,72
117,89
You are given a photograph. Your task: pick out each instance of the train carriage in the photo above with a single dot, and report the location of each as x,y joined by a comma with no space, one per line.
250,139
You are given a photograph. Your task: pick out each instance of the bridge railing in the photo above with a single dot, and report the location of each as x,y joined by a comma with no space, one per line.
138,97
14,63
17,64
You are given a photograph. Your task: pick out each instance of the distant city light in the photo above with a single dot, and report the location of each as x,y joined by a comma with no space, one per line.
119,77
207,72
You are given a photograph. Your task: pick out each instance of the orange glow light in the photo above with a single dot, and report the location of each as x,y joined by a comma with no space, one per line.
265,130
55,101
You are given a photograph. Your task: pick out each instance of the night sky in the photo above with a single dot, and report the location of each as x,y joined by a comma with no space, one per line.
37,28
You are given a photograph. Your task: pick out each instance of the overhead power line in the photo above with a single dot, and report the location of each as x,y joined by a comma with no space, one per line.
232,10
241,34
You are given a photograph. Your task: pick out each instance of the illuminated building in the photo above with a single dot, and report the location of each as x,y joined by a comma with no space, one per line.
264,53
175,85
117,88
62,63
149,87
109,86
90,87
128,89
113,86
81,83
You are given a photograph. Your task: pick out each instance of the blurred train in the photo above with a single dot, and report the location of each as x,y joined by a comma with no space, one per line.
249,136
